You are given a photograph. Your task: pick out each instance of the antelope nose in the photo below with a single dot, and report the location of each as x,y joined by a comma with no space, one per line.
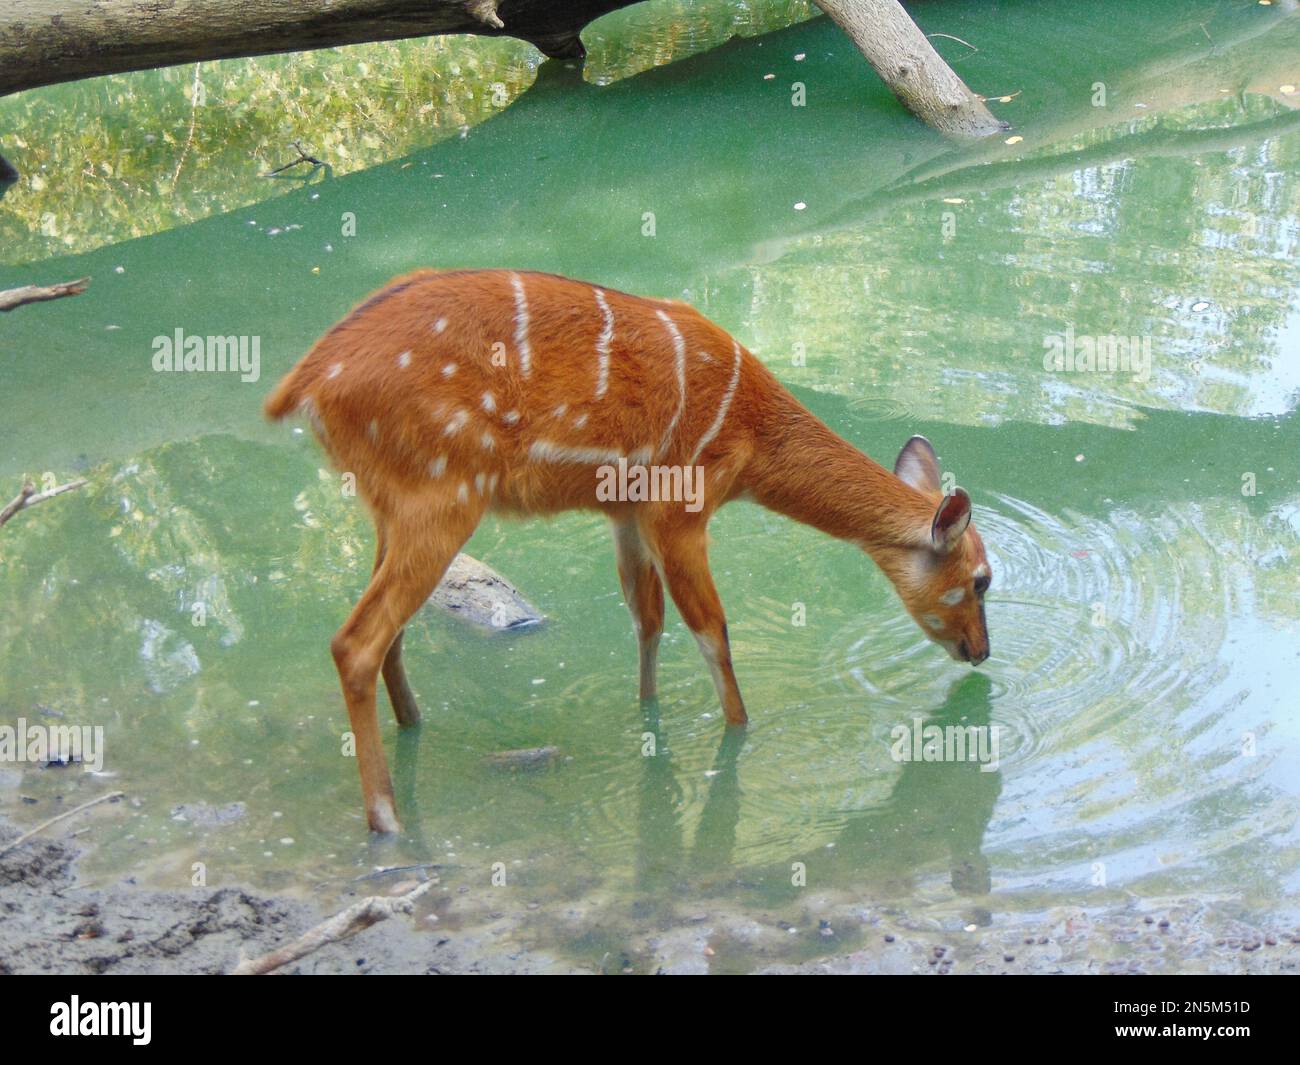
975,660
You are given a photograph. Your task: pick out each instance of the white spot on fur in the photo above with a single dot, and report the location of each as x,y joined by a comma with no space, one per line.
438,466
372,430
480,482
456,423
510,417
952,596
521,326
559,411
932,621
449,369
404,360
579,421
462,493
549,451
489,441
602,345
489,402
440,325
335,370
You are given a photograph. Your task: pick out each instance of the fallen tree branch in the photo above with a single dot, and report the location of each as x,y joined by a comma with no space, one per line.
303,157
906,61
17,297
43,42
356,918
29,497
112,795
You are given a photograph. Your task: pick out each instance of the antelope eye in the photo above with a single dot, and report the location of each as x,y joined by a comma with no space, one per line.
982,584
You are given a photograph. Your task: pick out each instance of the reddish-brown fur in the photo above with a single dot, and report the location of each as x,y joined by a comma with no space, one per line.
377,390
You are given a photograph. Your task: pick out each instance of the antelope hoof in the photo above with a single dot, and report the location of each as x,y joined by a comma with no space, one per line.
383,818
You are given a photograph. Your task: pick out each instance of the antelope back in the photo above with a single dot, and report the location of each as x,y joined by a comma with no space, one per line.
511,386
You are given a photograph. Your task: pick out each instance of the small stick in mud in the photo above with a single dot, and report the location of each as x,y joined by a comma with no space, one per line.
24,294
357,917
66,813
29,497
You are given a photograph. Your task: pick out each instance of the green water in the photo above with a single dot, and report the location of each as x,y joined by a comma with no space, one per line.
1145,608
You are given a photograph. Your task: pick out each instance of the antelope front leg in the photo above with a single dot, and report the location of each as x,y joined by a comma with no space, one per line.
644,593
685,561
400,695
414,561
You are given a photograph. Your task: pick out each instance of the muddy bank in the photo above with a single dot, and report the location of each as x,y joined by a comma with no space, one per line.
830,934
1182,938
49,924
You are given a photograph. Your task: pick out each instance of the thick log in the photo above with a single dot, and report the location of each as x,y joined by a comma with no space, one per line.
906,61
43,42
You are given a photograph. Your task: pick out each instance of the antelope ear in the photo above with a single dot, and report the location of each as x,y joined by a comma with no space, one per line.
918,465
950,521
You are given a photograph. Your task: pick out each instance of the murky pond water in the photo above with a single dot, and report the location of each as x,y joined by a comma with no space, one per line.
1143,523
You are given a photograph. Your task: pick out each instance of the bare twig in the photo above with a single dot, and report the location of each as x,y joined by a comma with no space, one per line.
29,497
16,297
195,89
303,157
356,918
952,38
66,813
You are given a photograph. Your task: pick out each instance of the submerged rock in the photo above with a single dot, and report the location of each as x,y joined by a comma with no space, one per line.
527,758
207,815
473,590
